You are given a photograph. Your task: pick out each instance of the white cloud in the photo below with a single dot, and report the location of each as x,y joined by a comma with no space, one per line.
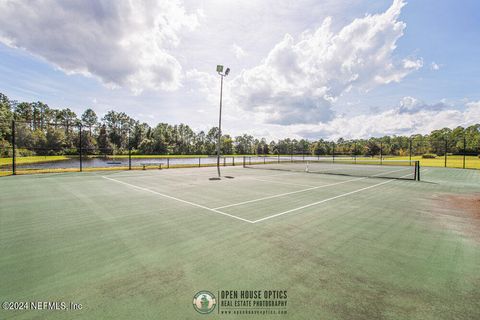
414,105
123,43
299,80
472,113
410,103
202,82
420,118
434,66
238,51
414,64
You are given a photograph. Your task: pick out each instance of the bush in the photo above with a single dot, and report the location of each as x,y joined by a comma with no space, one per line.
68,151
5,149
429,156
20,152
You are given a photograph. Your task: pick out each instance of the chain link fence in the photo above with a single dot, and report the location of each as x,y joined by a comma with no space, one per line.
60,147
37,147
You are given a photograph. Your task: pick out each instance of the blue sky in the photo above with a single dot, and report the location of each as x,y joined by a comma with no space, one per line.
309,68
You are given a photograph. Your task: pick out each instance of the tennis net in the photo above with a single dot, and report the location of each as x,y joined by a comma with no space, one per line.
375,168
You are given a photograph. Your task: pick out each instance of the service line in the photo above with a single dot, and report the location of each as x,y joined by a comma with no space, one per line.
179,200
326,200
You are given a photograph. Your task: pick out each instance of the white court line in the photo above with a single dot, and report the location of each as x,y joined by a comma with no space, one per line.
279,182
164,172
286,194
177,199
286,173
269,217
325,200
302,190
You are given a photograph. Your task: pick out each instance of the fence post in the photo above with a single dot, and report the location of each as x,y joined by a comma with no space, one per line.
333,153
410,150
81,147
464,150
233,161
355,152
278,158
446,147
199,162
168,163
381,153
129,157
129,152
244,164
14,164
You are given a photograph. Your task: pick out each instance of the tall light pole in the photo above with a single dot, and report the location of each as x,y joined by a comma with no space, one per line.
220,72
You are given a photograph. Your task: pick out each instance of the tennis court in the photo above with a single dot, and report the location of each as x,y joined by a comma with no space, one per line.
365,242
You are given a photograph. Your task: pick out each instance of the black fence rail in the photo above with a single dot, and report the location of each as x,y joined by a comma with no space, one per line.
33,147
84,160
36,146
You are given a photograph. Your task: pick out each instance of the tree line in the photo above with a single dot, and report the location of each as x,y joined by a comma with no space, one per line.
42,130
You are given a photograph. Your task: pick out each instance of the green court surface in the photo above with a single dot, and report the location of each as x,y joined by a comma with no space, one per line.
141,244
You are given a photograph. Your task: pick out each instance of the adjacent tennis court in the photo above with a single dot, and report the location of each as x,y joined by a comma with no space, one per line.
363,241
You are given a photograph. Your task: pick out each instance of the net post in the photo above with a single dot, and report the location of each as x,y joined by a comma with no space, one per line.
464,150
244,159
446,147
199,165
168,163
264,159
14,162
278,158
233,161
417,169
224,161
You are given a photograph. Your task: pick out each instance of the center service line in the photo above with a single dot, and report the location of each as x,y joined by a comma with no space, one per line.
303,190
325,200
177,199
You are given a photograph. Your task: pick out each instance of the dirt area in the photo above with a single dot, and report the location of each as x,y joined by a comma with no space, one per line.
460,213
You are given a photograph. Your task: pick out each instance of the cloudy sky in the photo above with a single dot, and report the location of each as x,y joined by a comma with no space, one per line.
305,68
